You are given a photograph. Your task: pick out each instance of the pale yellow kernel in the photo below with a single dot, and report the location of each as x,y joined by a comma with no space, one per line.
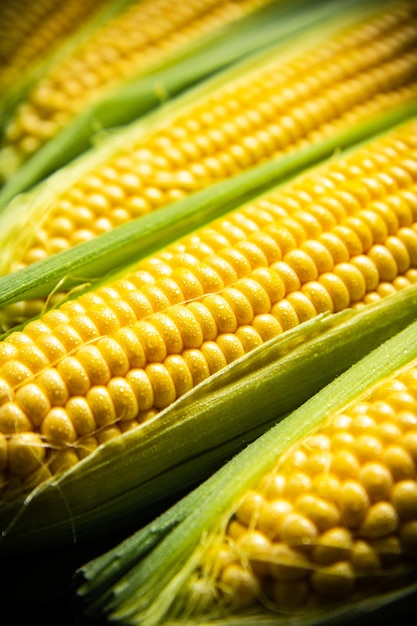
253,253
266,326
349,238
153,347
399,253
334,581
128,339
368,270
222,313
123,398
287,275
79,413
141,387
26,453
299,531
33,402
367,448
103,318
332,546
67,336
57,427
240,305
101,406
237,260
353,503
377,481
361,229
179,373
272,515
337,289
268,246
52,348
114,355
187,324
94,364
235,529
287,563
399,463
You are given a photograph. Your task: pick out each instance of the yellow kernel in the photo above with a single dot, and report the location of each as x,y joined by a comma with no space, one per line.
332,546
335,246
205,318
255,293
404,499
57,427
123,398
323,514
319,254
94,364
15,373
214,356
354,503
287,275
302,264
334,581
249,509
367,447
114,355
54,387
101,406
298,531
63,460
141,386
197,365
103,318
326,485
73,375
368,270
240,305
67,336
32,402
230,346
353,280
384,262
129,341
302,305
222,313
179,372
240,583
364,558
349,238
318,296
188,283
377,480
380,520
285,314
26,452
52,348
266,327
255,546
79,413
408,537
287,563
399,253
187,324
337,289
399,463
272,515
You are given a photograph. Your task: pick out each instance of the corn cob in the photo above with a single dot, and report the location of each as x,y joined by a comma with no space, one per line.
137,38
111,359
169,163
31,30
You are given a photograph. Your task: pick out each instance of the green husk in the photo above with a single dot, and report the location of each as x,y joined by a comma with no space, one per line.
96,260
208,425
266,30
140,581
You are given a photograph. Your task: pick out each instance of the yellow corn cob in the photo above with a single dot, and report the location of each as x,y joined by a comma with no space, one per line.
278,109
334,517
30,29
113,358
130,43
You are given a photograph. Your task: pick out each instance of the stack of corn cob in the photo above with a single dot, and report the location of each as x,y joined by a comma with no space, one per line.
174,282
